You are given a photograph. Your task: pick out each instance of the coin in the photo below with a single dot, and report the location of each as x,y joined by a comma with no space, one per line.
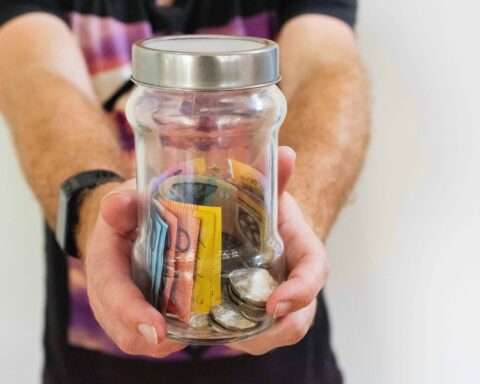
252,285
199,321
230,317
232,296
253,315
215,326
234,299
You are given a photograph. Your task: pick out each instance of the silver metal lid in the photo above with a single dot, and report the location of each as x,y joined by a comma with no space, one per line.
205,62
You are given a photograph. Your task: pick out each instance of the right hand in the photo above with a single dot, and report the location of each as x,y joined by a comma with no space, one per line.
119,306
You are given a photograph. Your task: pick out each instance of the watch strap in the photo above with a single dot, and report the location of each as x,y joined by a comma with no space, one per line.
68,203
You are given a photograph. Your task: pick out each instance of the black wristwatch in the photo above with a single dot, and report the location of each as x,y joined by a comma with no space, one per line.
69,200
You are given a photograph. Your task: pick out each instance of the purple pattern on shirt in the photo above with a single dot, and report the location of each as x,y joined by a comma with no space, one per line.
106,43
260,25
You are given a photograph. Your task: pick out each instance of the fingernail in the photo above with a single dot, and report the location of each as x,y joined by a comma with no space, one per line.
149,333
113,193
294,153
282,309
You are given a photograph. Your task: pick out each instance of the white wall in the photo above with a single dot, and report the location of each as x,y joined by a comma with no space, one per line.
405,255
21,273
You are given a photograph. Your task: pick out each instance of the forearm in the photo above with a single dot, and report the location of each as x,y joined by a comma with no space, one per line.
58,127
328,126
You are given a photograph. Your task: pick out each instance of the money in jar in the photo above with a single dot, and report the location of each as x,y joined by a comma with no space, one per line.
206,113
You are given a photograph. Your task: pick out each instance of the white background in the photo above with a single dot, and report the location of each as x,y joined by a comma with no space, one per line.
405,280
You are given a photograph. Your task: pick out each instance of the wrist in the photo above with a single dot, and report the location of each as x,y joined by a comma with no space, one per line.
88,211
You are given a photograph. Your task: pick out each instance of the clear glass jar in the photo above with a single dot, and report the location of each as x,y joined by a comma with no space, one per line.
208,254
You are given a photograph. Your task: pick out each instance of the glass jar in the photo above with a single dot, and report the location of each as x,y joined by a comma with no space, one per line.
206,113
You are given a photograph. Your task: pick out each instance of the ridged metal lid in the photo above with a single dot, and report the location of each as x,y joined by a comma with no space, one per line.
205,62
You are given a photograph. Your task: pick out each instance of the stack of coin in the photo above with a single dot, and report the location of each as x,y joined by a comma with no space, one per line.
245,297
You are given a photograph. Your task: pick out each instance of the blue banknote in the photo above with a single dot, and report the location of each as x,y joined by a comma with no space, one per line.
157,250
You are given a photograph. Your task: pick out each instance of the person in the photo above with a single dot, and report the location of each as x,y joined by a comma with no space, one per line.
64,78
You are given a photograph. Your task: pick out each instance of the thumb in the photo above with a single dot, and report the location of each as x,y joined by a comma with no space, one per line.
286,166
119,209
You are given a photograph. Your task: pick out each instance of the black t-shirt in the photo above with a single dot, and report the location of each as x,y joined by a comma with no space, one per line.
77,350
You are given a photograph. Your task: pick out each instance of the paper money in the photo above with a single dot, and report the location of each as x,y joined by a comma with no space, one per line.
158,235
209,265
169,263
207,280
248,178
251,220
188,227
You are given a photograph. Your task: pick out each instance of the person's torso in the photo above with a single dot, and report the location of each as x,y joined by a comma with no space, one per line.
106,30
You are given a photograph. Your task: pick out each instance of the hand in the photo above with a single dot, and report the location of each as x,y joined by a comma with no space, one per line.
293,302
119,306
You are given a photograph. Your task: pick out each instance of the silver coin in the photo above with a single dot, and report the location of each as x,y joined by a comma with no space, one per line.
253,285
230,317
242,305
232,296
253,315
217,327
199,321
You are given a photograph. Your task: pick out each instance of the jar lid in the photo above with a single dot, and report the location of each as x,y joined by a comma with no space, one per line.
205,62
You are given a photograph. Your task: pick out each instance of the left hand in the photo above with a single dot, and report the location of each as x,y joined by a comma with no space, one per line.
293,303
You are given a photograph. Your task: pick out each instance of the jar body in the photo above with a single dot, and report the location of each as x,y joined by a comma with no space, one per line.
208,253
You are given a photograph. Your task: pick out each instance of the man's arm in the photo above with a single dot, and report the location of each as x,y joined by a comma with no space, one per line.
327,125
328,118
59,130
58,126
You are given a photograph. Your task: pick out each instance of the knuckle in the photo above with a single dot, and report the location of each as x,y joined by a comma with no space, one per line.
325,272
311,289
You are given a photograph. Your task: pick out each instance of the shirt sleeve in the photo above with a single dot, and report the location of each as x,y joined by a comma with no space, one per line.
345,10
12,8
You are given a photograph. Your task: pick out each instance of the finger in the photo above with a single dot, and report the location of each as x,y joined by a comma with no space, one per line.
286,331
116,300
119,209
306,261
130,342
286,167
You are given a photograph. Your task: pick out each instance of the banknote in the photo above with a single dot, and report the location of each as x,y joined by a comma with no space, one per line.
248,178
169,263
251,220
207,279
188,228
157,242
206,191
207,288
243,214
